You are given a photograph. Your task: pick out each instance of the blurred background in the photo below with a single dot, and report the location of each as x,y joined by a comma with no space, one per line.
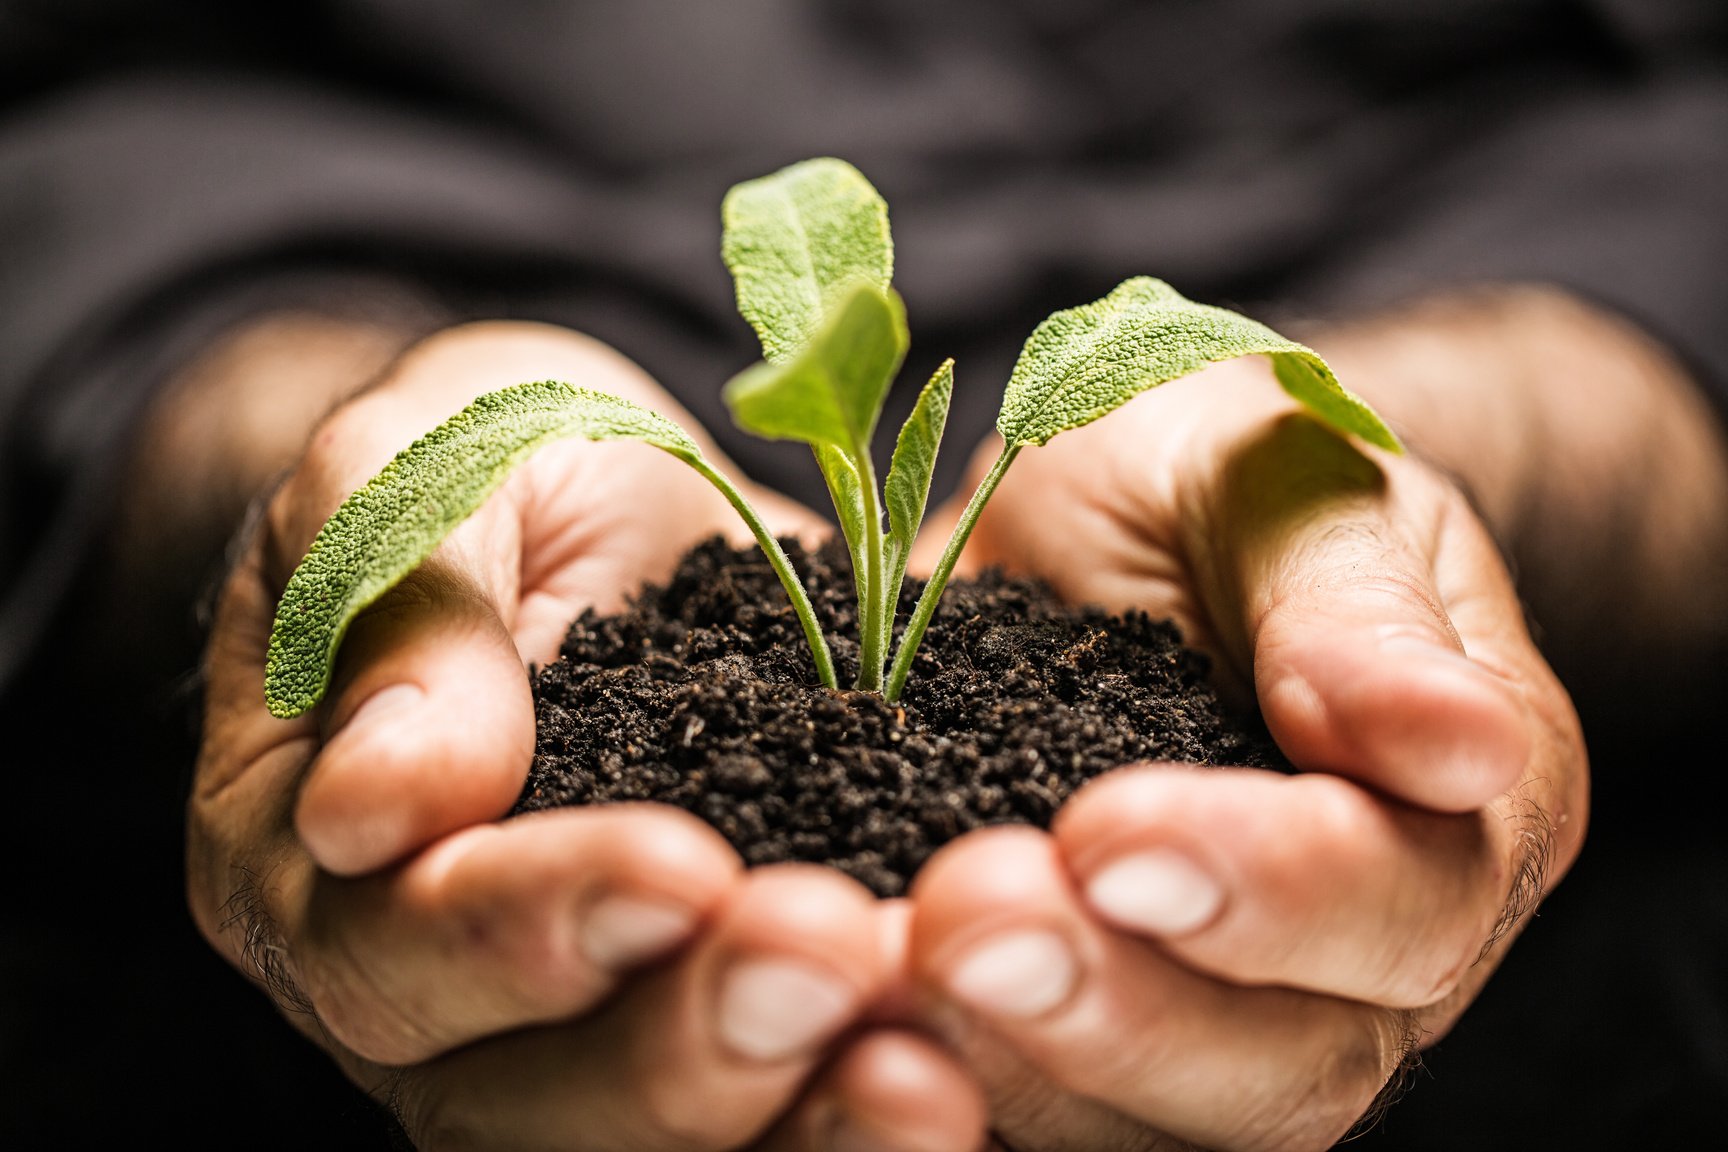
170,169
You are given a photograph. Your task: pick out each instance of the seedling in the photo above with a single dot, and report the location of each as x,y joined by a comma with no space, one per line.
812,259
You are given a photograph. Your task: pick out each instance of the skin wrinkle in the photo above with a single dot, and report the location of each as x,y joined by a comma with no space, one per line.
211,787
1134,524
213,792
1289,1121
1445,530
1169,580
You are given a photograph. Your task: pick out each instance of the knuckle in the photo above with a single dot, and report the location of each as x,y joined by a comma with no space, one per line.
512,944
1338,814
528,953
1397,590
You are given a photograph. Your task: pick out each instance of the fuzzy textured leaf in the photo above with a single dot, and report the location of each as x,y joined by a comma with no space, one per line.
793,239
1084,362
387,528
832,391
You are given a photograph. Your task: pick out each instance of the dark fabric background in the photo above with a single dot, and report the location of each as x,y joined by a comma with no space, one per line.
167,168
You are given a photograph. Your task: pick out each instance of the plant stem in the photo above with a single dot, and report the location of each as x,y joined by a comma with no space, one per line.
782,568
926,606
872,632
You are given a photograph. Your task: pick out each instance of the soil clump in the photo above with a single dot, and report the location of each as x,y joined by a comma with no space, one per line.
703,694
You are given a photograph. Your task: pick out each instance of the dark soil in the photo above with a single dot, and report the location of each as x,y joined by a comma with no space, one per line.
703,694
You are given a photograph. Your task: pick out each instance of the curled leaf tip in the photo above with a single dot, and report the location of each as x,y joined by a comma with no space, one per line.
1085,362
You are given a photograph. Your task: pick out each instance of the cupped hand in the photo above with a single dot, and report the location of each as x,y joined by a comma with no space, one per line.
1243,959
583,978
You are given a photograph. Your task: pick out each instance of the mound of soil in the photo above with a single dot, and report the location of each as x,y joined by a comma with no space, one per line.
703,694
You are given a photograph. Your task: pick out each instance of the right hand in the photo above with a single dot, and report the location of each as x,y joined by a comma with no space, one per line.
1242,958
604,977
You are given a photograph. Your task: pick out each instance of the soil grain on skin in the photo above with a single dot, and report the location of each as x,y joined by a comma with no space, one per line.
703,694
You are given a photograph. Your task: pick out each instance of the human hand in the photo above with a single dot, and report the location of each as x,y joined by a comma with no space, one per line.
1241,959
595,978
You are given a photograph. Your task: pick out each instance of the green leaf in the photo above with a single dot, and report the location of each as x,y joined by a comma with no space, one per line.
1084,362
907,488
383,531
794,239
832,391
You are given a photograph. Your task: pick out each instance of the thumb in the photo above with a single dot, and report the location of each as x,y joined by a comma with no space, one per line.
1347,575
431,725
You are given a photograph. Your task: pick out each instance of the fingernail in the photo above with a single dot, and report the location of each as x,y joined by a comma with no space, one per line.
1020,974
775,1009
1158,891
386,703
622,931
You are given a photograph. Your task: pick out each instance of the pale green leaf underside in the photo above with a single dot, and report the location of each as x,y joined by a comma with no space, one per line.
387,528
1084,362
907,488
793,239
832,391
908,485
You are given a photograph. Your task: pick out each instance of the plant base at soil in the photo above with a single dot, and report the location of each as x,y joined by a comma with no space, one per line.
703,695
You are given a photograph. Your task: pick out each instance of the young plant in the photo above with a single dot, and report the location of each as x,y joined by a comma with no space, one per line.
811,256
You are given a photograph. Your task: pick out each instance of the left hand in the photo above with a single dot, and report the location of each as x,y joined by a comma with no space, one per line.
602,977
1242,959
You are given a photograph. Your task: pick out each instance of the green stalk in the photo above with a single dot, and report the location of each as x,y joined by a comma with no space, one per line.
782,568
926,606
872,632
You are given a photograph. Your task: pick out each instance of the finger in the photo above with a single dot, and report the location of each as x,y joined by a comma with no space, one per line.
1304,881
704,1053
600,520
1328,564
430,725
507,925
1001,936
889,1090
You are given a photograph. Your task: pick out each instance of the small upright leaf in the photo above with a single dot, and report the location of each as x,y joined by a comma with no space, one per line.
793,239
907,488
832,391
383,531
1084,362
